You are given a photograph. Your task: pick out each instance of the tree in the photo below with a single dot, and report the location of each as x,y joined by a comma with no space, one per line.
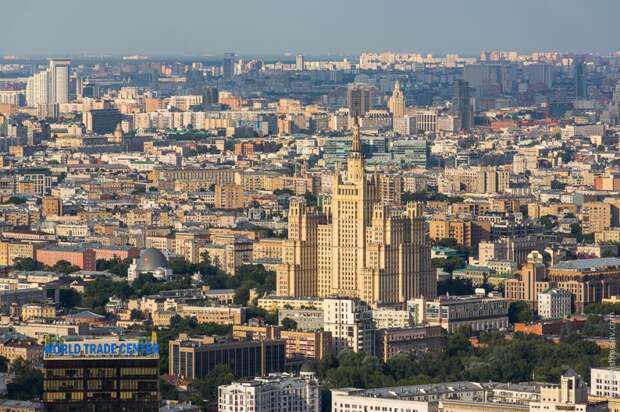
63,266
207,387
28,382
28,264
69,298
136,315
99,292
311,199
115,265
455,286
450,264
289,324
167,391
519,312
548,221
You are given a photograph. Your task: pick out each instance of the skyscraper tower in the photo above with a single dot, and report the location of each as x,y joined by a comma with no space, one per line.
357,245
461,103
581,80
59,76
396,105
299,62
358,100
228,68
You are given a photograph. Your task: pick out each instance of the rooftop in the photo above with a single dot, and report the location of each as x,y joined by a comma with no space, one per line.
588,264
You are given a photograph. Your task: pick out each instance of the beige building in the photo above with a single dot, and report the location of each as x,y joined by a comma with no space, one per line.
466,232
356,246
26,350
229,196
396,104
598,216
37,311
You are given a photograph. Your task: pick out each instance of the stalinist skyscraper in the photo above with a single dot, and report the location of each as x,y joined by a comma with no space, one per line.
356,245
397,103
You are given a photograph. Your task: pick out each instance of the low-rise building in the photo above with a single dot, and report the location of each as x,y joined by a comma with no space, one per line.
478,312
554,303
191,358
273,393
605,382
417,341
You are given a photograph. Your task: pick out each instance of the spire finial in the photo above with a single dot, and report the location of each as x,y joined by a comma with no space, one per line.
356,145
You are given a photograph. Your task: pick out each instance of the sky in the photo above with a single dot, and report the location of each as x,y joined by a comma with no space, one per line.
311,27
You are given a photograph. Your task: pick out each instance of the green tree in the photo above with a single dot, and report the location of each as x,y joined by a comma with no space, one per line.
455,286
63,266
289,324
28,264
207,387
69,298
28,382
519,312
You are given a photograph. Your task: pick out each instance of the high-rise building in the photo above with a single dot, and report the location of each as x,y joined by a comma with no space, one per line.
228,68
539,74
359,98
350,323
299,62
356,246
581,80
101,374
101,121
49,88
59,76
396,105
38,89
461,104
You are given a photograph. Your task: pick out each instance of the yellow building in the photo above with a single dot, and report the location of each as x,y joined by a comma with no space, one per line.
26,350
37,311
229,196
356,246
396,104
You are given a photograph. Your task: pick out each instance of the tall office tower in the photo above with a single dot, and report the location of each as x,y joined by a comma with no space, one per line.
228,68
300,63
210,95
79,88
396,105
38,89
59,80
357,246
539,74
359,99
612,114
581,80
461,103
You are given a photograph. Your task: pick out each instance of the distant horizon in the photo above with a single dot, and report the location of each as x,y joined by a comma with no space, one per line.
313,28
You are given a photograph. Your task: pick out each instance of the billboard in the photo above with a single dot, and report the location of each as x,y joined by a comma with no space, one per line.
101,348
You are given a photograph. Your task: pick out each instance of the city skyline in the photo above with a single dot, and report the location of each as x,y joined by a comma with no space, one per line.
317,28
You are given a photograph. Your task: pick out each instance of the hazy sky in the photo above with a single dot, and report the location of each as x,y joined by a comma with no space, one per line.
198,27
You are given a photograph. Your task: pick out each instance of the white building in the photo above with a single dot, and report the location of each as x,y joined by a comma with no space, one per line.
571,394
275,393
388,318
350,323
478,312
605,382
554,304
59,76
418,398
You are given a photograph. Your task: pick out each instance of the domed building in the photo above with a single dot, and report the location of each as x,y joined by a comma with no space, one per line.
151,261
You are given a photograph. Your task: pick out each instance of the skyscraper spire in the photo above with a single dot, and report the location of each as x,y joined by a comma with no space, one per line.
356,146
